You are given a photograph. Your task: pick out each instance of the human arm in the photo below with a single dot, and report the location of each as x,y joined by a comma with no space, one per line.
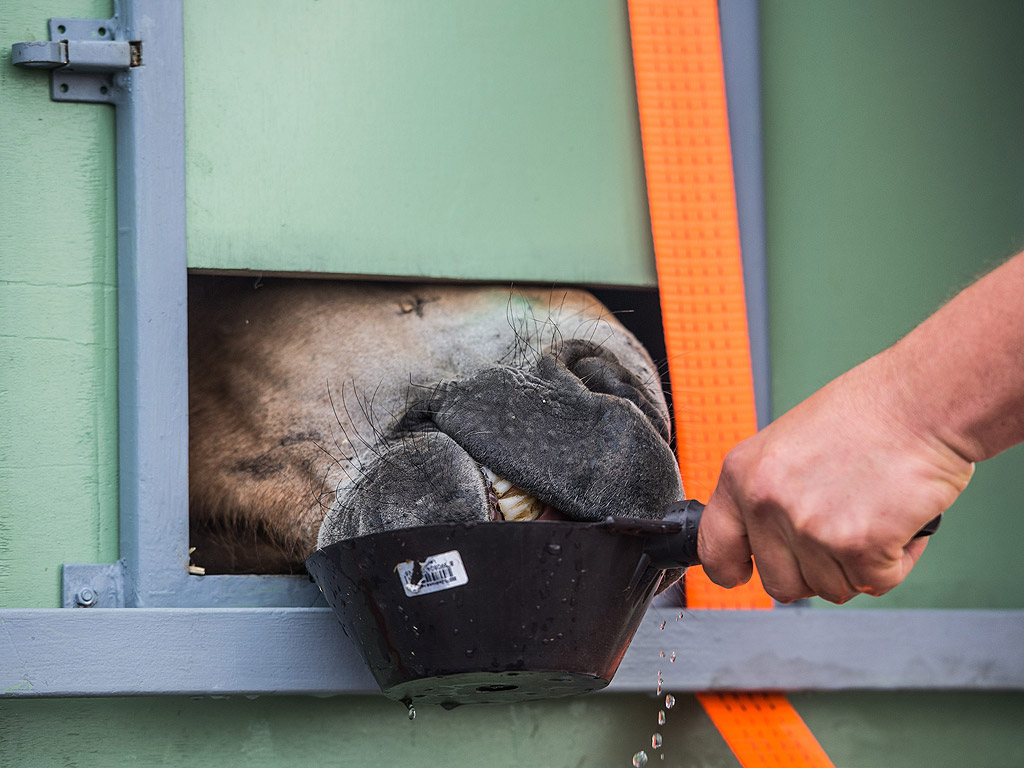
828,497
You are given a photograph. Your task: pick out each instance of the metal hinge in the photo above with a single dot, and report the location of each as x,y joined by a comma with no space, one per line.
87,59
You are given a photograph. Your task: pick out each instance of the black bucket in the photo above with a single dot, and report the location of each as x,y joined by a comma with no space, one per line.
495,612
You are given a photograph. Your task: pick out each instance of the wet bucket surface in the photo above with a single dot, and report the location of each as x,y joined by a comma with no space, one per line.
489,612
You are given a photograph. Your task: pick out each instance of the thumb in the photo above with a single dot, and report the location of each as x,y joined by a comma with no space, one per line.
722,542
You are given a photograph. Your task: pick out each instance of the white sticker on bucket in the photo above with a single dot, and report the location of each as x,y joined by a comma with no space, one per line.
437,572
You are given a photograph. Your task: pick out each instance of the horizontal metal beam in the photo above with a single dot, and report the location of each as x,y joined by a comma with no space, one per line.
807,649
147,651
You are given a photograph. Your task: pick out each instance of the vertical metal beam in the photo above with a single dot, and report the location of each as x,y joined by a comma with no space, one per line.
741,56
153,359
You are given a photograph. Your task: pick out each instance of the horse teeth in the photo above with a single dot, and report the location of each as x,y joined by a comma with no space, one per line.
515,504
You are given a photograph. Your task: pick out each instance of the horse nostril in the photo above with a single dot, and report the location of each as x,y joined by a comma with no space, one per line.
600,371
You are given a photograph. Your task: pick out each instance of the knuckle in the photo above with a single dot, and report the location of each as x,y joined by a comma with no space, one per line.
764,487
849,547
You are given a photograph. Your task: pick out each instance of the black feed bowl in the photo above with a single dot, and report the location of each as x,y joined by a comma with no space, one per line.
460,613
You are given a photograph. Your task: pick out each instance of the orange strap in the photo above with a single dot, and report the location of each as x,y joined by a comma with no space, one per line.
681,96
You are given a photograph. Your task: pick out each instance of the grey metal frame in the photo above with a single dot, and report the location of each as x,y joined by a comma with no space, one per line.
236,643
741,60
146,651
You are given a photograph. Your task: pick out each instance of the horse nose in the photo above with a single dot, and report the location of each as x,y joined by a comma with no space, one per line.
600,371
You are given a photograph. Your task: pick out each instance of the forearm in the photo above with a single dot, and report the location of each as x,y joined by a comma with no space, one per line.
959,376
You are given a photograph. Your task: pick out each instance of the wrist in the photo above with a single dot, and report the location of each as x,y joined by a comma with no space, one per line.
923,404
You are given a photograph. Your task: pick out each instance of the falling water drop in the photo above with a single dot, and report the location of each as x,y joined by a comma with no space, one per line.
640,759
663,625
672,657
412,712
661,717
658,693
670,701
663,654
656,741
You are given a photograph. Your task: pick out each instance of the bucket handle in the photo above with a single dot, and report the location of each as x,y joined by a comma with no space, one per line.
672,541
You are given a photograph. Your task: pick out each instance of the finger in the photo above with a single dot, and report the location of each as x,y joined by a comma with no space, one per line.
722,542
881,574
823,573
779,569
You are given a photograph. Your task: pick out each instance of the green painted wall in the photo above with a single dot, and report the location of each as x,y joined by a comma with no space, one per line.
58,323
893,174
600,731
455,139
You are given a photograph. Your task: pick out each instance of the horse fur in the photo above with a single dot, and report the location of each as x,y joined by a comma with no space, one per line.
322,410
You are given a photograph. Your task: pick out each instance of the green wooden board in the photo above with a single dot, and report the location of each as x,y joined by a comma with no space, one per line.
58,323
484,141
937,730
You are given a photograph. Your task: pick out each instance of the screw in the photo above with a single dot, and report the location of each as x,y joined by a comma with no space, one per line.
85,597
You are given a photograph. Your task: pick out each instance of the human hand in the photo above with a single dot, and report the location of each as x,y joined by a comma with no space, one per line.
828,497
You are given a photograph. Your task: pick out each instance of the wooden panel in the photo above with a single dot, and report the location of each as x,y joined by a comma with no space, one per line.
58,323
443,139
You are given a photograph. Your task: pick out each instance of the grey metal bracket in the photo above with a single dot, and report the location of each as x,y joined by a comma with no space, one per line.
87,60
88,585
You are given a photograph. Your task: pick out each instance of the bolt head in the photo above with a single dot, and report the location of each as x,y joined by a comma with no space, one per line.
85,597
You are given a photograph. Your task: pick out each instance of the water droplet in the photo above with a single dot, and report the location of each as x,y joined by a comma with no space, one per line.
412,713
656,741
554,549
663,625
670,701
663,654
661,717
469,653
672,657
640,759
658,693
